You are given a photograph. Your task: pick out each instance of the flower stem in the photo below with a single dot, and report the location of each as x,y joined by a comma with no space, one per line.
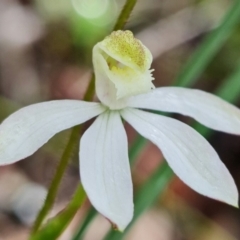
91,89
125,14
54,186
74,137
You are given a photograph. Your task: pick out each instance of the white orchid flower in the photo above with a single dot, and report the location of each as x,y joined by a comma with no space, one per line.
124,84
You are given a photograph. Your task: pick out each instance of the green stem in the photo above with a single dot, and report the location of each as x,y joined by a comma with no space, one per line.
125,14
54,186
53,189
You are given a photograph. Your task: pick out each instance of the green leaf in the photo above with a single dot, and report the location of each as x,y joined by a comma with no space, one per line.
54,227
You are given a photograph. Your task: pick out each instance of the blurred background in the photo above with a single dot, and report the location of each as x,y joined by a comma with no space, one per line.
45,53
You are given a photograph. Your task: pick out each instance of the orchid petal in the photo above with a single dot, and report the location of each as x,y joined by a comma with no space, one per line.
206,108
105,170
189,155
26,130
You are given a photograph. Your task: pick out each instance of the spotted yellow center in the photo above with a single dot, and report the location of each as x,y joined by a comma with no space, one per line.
128,49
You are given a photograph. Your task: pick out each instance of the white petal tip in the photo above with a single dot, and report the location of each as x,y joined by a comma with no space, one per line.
231,198
115,227
231,203
120,224
236,206
234,203
234,200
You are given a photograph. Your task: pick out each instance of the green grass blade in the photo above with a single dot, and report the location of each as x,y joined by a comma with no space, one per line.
198,61
54,228
90,215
